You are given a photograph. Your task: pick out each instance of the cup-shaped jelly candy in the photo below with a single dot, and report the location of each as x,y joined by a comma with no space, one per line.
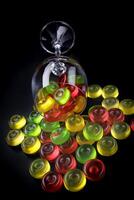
120,130
52,182
30,145
85,152
75,123
60,136
98,114
17,122
107,146
80,104
38,168
69,146
93,132
82,140
106,127
94,169
74,180
132,124
49,151
14,137
110,91
32,129
45,104
127,106
94,91
110,102
52,87
35,117
65,162
62,95
115,115
49,126
44,137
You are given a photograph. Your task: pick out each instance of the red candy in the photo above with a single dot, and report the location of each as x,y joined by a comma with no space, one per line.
52,182
132,124
44,137
49,151
69,106
94,169
62,80
106,127
115,115
74,90
99,114
69,147
64,163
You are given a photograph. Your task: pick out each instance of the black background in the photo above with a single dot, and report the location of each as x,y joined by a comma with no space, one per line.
104,47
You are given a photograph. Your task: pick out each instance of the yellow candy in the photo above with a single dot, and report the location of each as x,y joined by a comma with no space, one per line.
81,140
74,180
94,91
17,122
39,168
127,106
45,104
110,102
75,123
30,145
80,104
110,91
14,137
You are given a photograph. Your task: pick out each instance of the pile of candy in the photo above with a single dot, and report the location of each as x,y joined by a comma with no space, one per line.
66,140
60,99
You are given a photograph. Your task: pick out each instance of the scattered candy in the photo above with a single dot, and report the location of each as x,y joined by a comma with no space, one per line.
132,124
17,122
94,169
39,168
60,136
127,106
35,117
94,91
52,182
110,91
120,130
32,129
93,132
14,137
30,145
115,115
49,151
107,146
75,123
85,152
98,114
66,139
74,180
110,102
69,147
64,163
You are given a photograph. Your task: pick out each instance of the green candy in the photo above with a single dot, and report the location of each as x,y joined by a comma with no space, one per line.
85,152
32,129
93,132
35,117
51,88
49,126
80,79
60,136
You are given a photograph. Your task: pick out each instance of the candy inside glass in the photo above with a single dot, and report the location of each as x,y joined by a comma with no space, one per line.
59,83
